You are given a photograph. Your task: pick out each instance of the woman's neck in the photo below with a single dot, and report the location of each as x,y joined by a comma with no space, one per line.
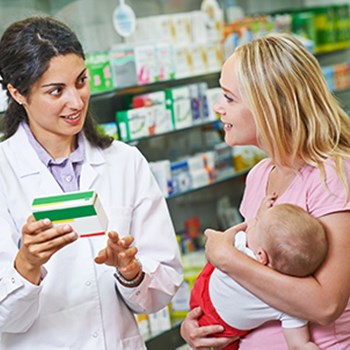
58,147
281,177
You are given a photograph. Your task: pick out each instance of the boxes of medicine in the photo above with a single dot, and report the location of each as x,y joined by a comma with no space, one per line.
162,173
110,129
179,103
99,71
81,210
133,123
145,62
212,95
123,66
160,117
165,67
180,177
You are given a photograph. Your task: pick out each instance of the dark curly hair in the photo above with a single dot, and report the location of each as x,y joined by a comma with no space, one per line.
26,48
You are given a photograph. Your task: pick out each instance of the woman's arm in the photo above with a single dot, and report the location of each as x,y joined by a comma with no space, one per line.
155,240
320,299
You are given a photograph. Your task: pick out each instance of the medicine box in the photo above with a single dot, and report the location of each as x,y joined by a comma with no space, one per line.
133,123
99,72
179,103
123,66
81,210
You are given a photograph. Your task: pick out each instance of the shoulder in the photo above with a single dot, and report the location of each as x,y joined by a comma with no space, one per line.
326,194
263,167
259,173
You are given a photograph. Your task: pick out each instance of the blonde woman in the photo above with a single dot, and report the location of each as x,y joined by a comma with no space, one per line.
275,97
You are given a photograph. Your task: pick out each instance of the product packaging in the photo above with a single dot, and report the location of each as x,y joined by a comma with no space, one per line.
179,102
133,123
123,66
81,210
99,71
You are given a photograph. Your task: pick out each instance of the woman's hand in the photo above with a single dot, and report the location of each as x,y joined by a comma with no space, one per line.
218,246
40,240
120,254
199,337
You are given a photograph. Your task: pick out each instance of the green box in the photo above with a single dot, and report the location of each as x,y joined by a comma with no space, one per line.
99,71
81,210
133,123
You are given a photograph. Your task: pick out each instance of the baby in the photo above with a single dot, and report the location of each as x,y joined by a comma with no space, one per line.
284,237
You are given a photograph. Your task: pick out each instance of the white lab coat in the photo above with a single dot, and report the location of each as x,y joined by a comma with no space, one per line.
79,305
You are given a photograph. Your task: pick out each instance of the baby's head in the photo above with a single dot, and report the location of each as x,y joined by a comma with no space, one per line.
295,242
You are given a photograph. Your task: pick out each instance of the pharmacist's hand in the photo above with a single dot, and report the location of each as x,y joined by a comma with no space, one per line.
118,253
199,337
219,245
40,240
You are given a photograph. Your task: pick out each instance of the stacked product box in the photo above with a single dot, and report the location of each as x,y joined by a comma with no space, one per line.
179,103
163,111
199,173
223,161
160,117
162,172
328,26
183,175
123,66
110,129
212,96
181,178
142,64
193,264
83,211
99,72
133,123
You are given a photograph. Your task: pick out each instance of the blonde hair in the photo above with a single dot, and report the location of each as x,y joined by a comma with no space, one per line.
296,114
295,241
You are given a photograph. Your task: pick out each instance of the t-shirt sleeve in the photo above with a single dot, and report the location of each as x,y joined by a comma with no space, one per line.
330,196
288,321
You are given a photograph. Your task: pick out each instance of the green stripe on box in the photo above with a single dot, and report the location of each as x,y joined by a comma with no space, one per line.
66,213
63,198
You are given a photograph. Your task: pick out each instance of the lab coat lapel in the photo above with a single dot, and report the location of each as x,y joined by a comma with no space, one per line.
90,173
33,174
36,177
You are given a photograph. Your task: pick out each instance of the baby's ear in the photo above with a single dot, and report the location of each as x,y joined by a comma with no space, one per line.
262,257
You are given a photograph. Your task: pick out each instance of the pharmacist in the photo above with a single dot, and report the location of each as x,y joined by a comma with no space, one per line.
53,294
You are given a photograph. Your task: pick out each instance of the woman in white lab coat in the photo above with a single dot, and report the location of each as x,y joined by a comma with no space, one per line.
58,291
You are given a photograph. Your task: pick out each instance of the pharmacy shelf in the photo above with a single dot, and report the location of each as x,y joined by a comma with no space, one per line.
216,122
158,85
105,104
234,175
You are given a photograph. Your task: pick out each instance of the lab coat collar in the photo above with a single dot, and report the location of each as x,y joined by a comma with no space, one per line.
94,159
27,164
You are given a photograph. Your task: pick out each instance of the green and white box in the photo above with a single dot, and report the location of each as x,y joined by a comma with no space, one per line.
81,210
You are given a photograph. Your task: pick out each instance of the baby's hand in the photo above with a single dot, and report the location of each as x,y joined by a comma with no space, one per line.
267,202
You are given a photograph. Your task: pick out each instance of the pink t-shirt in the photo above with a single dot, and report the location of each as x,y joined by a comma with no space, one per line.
309,192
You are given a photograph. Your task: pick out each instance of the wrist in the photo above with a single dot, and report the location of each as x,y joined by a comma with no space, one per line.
31,273
130,283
